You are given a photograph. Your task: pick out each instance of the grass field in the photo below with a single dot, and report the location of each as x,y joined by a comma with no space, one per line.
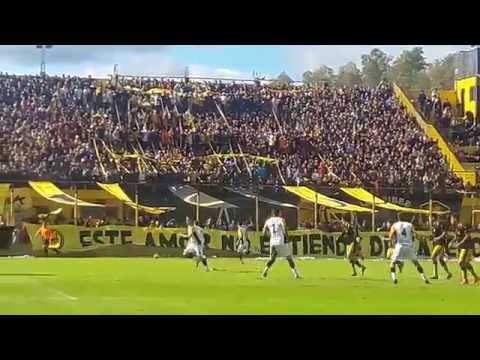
174,286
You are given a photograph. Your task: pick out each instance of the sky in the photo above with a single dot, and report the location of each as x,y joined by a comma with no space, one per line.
224,61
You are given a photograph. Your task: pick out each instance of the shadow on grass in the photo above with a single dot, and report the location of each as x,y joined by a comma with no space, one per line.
26,274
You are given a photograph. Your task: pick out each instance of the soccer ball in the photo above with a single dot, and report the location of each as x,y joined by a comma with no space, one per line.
156,256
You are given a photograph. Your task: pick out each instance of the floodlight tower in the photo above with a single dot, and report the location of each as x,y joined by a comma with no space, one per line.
43,64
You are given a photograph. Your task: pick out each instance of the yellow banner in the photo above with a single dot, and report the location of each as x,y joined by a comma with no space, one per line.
74,239
364,196
117,191
312,196
4,196
49,191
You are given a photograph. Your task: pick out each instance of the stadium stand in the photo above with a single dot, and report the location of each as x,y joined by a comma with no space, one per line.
68,128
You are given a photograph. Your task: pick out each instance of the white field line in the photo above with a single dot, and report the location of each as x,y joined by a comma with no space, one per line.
56,291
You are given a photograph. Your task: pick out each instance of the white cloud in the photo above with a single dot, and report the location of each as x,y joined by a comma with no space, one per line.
207,71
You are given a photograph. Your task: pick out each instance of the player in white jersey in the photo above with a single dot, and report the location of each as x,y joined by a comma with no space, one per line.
402,235
279,245
196,244
242,244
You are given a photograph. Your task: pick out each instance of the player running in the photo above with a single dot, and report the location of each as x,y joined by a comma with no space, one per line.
48,237
402,234
242,244
279,245
196,244
465,245
352,239
440,243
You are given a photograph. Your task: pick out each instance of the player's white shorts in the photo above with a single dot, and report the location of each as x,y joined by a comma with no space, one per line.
404,252
283,250
193,250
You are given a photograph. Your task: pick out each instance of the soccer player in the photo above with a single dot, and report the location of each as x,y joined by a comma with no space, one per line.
243,243
279,245
390,250
48,237
196,244
402,234
465,245
354,249
440,244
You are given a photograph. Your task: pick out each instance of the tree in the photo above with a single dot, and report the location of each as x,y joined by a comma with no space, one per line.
408,66
322,75
349,75
442,73
284,79
375,67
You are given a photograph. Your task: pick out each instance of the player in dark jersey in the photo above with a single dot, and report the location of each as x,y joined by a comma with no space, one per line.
465,246
440,244
351,238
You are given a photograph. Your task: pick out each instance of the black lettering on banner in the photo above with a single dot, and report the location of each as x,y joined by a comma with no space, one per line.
172,243
423,249
123,236
228,242
149,240
112,234
97,235
264,245
340,247
207,240
328,244
375,245
305,244
385,247
84,235
315,243
294,239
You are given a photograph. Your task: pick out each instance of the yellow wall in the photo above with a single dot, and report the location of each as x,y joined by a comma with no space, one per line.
448,95
432,133
466,84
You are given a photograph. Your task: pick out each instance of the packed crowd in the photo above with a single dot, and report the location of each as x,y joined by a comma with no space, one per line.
462,132
141,129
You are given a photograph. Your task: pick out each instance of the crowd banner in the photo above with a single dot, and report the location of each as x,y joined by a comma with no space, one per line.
116,190
366,197
190,195
251,195
320,199
75,239
51,192
4,197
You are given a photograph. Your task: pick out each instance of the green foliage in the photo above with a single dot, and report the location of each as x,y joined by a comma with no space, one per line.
408,66
442,73
349,75
320,76
375,67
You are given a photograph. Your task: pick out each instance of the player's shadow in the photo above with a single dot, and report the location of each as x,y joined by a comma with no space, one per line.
244,271
26,274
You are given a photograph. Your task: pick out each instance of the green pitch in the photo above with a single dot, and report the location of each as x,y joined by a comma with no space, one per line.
175,286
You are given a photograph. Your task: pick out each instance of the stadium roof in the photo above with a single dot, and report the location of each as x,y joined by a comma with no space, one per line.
189,195
251,195
364,196
315,197
116,190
